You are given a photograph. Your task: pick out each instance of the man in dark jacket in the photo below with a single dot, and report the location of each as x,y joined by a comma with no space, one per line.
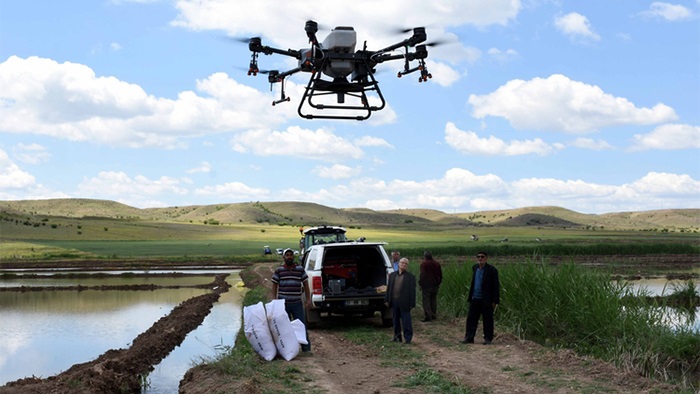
401,298
429,282
484,295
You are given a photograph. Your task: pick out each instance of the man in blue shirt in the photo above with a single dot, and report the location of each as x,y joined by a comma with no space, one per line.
395,257
484,295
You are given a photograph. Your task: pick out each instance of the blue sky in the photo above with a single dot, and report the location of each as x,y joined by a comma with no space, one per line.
592,106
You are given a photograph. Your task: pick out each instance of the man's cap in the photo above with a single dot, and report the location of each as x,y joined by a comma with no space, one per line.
287,250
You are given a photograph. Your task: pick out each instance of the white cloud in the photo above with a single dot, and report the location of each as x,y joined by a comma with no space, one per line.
233,191
137,191
115,46
653,191
463,191
442,74
337,171
31,153
382,204
372,141
502,56
557,103
454,189
68,101
204,167
576,26
668,12
548,189
320,144
17,184
368,18
660,184
589,143
11,176
669,137
468,142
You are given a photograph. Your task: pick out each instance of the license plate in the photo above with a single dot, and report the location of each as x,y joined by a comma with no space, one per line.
357,302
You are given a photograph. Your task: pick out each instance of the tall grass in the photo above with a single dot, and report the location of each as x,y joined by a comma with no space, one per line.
582,309
573,248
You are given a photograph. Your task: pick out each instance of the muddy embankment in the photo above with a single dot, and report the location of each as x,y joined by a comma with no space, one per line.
120,370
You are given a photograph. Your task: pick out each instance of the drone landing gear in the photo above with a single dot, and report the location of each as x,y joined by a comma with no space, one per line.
318,88
283,97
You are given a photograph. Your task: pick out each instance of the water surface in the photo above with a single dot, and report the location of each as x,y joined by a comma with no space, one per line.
43,333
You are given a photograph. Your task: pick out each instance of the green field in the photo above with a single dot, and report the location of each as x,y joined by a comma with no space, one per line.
95,229
248,240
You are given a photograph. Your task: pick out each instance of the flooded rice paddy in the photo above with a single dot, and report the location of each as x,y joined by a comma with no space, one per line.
45,332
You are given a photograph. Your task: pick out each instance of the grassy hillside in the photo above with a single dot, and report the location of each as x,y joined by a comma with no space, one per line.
309,214
82,228
670,219
71,207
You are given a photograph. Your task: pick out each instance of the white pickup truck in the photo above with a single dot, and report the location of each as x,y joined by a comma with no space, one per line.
347,278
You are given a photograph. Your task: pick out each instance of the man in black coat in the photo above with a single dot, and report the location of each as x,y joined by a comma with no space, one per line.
484,295
401,298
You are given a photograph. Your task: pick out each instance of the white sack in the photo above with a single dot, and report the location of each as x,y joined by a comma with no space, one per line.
282,330
299,331
257,331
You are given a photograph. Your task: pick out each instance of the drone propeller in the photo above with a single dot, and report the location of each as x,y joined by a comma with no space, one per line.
438,43
321,27
401,30
241,40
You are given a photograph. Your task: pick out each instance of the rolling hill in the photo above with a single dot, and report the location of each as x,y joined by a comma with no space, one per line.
306,214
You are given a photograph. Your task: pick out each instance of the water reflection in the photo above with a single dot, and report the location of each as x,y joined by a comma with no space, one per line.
673,317
43,333
659,286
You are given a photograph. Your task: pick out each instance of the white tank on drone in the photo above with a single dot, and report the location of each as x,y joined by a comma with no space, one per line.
341,39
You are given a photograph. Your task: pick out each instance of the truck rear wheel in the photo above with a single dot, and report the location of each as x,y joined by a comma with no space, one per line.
313,318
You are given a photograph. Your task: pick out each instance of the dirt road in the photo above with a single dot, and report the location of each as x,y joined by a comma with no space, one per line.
508,365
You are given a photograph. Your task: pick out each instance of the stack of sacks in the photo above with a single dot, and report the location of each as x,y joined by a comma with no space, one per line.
270,332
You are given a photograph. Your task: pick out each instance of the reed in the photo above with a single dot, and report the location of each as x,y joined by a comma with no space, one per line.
575,307
572,247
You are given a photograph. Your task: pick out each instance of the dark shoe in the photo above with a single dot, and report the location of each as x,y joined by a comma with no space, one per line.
426,320
396,339
466,340
487,342
408,342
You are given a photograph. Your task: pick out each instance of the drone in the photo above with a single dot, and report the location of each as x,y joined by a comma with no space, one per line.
338,70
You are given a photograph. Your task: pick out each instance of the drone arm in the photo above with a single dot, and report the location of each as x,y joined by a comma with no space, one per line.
417,37
420,53
256,48
285,74
275,77
270,50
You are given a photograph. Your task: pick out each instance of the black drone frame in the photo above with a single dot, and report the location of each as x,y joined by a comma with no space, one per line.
317,59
